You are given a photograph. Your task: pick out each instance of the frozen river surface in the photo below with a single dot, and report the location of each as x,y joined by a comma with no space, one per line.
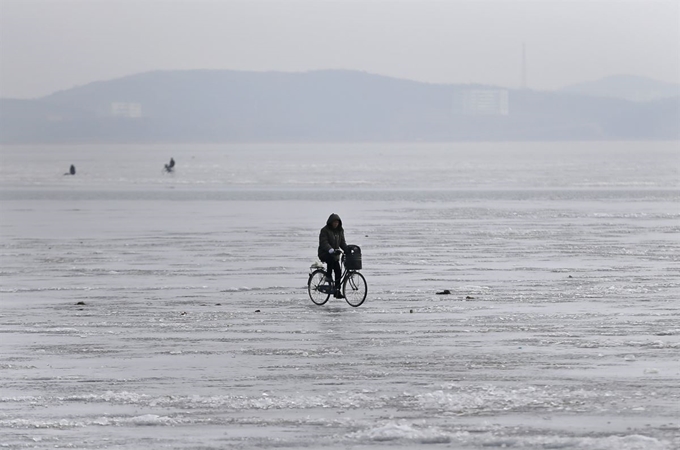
142,310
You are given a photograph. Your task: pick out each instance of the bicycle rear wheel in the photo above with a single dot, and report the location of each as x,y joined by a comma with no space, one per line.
355,289
318,288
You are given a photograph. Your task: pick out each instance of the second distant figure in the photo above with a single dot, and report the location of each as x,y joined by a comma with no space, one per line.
71,170
169,167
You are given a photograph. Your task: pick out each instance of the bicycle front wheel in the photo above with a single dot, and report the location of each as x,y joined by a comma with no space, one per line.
318,288
354,289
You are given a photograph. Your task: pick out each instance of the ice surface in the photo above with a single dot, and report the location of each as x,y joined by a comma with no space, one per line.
148,310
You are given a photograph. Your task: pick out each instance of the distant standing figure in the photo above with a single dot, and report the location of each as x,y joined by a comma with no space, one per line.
71,170
170,166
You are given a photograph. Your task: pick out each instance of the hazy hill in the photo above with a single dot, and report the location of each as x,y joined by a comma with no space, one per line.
626,87
228,106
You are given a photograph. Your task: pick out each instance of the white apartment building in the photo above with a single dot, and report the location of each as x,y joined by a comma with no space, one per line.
492,102
126,109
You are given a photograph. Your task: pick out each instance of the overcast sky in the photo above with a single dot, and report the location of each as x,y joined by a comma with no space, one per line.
49,45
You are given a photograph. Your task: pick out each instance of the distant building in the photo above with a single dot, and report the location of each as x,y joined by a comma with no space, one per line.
125,109
490,102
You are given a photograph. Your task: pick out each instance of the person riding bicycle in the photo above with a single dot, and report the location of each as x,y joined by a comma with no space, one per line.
331,245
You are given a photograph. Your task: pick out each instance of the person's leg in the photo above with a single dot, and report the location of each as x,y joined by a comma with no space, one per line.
333,268
329,260
338,276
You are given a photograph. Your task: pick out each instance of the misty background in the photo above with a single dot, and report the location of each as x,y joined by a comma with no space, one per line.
147,308
213,71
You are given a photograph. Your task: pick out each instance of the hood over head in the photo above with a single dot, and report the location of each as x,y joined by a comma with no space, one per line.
333,217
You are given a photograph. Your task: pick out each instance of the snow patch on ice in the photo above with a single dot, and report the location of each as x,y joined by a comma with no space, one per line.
402,431
143,420
259,288
466,400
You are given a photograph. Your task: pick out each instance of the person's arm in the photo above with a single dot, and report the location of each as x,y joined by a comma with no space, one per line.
343,244
324,245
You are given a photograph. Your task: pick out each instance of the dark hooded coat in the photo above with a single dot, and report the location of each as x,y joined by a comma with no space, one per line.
330,237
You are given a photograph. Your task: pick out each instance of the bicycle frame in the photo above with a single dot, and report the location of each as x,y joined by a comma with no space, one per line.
345,271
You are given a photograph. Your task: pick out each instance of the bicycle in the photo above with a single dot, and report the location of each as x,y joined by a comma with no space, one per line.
352,283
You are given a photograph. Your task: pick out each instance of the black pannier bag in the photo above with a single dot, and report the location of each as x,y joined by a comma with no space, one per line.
353,257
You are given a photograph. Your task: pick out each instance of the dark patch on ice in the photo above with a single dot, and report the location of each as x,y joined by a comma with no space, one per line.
80,303
444,292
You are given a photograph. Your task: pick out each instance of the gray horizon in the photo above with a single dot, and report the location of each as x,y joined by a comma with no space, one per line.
47,46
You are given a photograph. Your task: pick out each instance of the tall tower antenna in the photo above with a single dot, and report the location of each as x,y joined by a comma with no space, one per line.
524,66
